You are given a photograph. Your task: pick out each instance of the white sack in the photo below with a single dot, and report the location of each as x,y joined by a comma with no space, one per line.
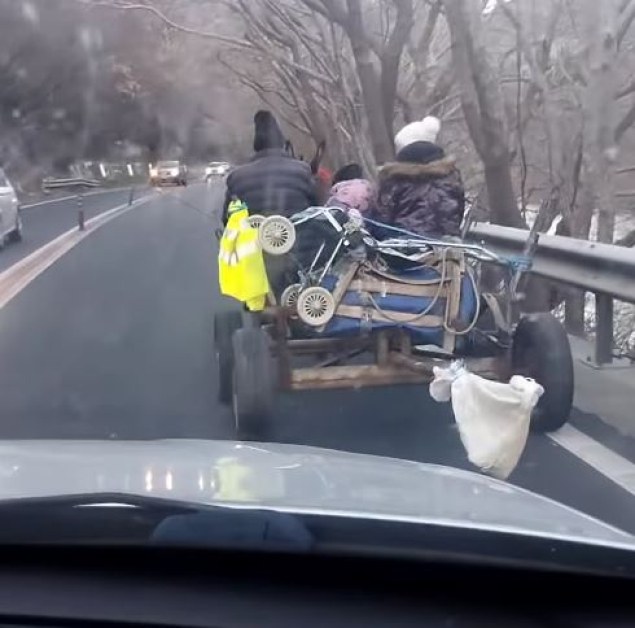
493,418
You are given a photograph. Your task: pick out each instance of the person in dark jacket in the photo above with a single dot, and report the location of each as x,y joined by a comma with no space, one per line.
273,181
422,190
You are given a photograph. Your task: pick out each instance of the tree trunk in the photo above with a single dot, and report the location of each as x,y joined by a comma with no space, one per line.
381,141
483,108
601,27
391,60
369,79
500,190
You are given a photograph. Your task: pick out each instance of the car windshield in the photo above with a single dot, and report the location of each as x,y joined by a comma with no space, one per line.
365,258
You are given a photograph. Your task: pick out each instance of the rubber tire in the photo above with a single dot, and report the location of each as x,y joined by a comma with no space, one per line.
541,350
254,384
225,324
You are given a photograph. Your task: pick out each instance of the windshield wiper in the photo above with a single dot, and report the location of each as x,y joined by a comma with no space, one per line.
124,517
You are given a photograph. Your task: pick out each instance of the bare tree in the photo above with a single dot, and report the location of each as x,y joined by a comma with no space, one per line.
377,60
483,108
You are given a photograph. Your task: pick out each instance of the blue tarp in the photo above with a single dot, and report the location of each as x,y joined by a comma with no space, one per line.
343,326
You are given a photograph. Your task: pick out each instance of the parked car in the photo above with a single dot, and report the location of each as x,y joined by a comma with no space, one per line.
168,172
216,169
10,220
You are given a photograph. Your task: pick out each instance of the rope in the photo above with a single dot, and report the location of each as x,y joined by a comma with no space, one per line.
434,301
427,310
519,263
375,270
416,236
477,312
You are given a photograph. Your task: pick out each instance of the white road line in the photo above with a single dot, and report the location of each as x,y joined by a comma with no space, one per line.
601,458
72,197
17,277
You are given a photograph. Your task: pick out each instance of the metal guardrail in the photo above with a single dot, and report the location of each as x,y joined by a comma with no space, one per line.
54,184
593,266
606,270
78,185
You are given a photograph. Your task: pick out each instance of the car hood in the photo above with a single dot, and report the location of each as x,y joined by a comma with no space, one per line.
289,478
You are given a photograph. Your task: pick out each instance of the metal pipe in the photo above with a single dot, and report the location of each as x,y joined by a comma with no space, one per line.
474,250
329,263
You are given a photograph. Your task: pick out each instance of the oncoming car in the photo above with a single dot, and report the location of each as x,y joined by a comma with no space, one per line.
168,172
216,169
10,221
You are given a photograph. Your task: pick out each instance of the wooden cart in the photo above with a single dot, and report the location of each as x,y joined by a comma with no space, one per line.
258,356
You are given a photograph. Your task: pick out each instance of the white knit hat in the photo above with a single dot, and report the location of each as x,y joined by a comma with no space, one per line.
425,130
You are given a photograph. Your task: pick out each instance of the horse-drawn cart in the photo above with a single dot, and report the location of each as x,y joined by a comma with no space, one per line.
352,321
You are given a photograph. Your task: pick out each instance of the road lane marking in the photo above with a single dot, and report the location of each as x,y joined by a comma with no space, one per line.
72,197
601,458
17,277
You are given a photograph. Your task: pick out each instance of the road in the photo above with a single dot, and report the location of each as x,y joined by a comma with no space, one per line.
114,341
44,221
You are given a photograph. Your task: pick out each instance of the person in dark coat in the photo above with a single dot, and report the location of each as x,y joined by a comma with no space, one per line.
422,190
273,181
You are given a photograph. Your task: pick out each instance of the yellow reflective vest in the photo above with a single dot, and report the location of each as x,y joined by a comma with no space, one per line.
241,267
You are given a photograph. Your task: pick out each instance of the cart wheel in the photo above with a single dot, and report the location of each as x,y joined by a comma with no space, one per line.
540,350
254,383
290,296
225,324
276,235
316,306
255,220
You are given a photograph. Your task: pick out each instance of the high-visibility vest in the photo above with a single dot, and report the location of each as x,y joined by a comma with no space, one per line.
241,267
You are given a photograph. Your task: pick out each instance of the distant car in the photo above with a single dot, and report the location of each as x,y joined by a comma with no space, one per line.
168,172
216,169
10,220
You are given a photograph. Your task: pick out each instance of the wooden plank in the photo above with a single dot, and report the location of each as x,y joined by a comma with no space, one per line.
408,363
358,376
326,345
401,279
489,368
344,282
453,304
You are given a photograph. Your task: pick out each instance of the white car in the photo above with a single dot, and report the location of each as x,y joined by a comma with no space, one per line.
216,169
168,172
10,220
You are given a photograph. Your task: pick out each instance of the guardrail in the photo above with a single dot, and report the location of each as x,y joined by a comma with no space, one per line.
55,184
79,184
606,270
